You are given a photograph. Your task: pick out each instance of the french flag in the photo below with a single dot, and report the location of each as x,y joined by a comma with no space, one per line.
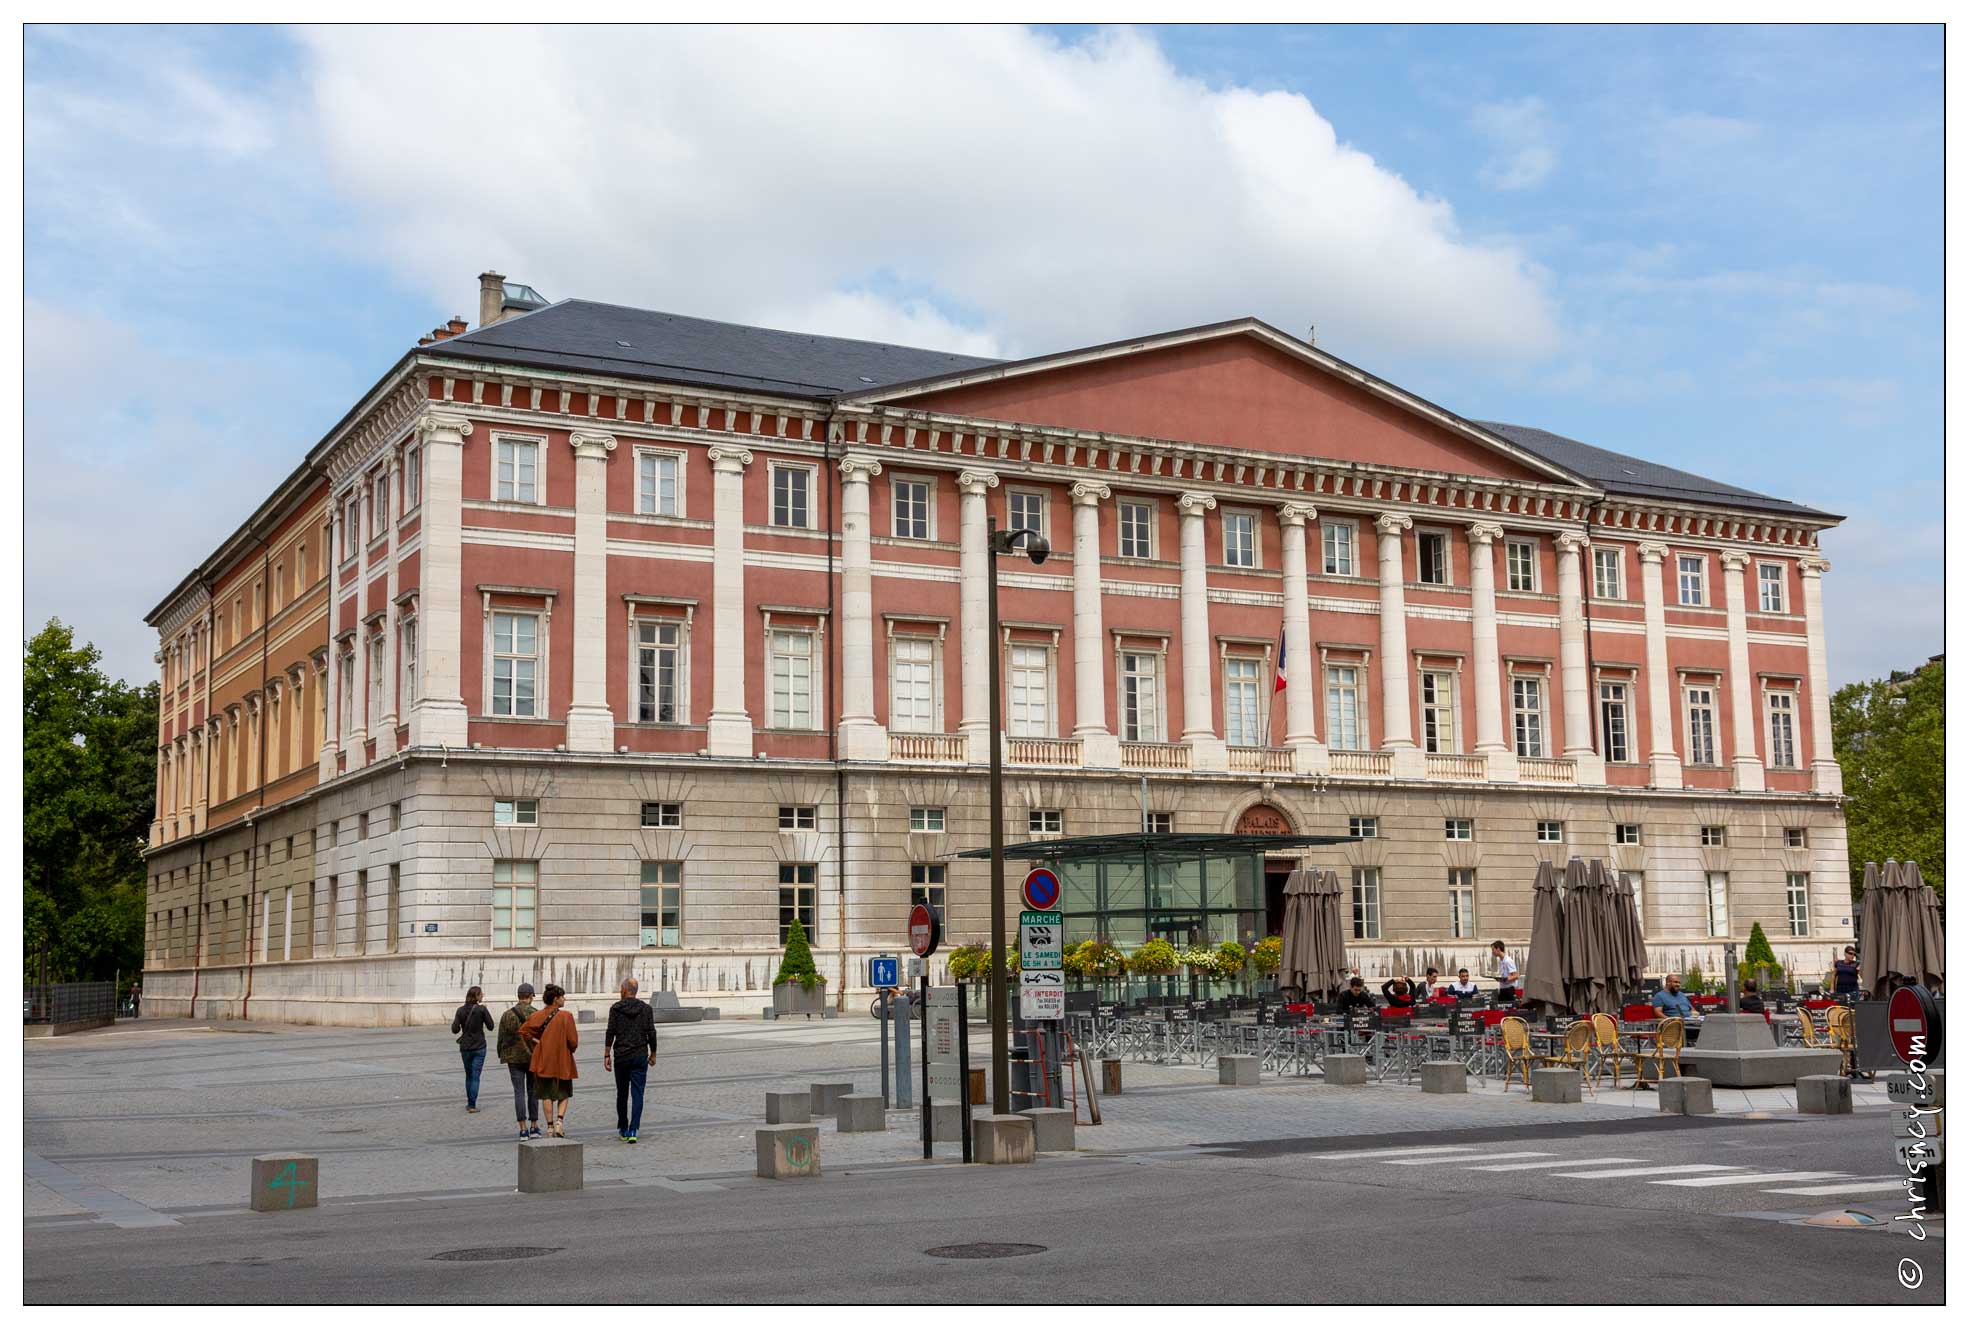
1278,684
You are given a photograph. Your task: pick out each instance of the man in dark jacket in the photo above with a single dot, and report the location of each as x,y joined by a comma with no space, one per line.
1354,996
627,1048
513,1054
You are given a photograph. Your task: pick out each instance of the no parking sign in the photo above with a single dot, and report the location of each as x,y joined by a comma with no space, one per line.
1041,889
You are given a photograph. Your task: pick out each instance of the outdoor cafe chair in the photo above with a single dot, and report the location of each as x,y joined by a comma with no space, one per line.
1606,1036
1669,1041
1517,1048
1839,1034
1574,1052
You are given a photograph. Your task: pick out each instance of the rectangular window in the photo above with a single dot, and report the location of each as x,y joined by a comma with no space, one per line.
662,904
1713,837
1367,904
395,823
1613,722
1702,725
1719,903
515,812
796,897
1638,881
408,689
351,527
1688,579
348,689
1432,558
361,911
1784,747
663,816
926,884
1528,716
390,913
913,686
659,672
1770,587
1043,821
1551,832
792,680
1438,691
1140,719
1794,837
800,817
1241,714
1025,510
362,826
792,497
1344,730
1521,565
1157,823
379,658
1240,540
379,504
926,819
413,477
287,922
1029,692
1462,902
277,585
515,663
656,483
1627,832
912,509
1364,828
1608,575
1458,828
1337,548
1798,902
518,479
513,885
1137,530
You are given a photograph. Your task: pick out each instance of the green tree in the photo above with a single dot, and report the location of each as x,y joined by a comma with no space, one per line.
89,748
797,965
1887,734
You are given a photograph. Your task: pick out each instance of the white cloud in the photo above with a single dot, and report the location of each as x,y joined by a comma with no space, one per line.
1027,194
1524,156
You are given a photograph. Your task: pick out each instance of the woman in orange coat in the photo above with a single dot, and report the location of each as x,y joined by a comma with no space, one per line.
549,1034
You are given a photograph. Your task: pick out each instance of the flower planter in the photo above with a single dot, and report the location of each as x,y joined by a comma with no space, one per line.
792,999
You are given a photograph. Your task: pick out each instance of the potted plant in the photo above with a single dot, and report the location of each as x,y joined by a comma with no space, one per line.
1230,959
964,963
1154,958
1266,955
798,988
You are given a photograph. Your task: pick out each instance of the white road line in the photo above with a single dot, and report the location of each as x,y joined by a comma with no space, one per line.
1753,1180
1390,1153
1556,1162
1656,1171
1857,1186
1467,1158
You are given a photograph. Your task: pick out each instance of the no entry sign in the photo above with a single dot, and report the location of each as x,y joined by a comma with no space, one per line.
924,934
1914,1024
1041,889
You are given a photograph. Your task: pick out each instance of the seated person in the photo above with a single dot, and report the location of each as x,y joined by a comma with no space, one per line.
1750,1001
1353,997
1671,1000
1426,989
1462,988
1399,993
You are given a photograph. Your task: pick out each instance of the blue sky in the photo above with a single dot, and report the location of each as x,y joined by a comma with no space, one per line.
1717,247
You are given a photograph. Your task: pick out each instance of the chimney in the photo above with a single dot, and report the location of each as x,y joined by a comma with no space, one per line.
492,298
455,326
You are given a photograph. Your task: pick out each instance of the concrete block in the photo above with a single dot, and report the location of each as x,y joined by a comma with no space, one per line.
788,1107
1825,1095
859,1113
1555,1084
1445,1077
1757,1069
947,1122
1240,1070
1688,1095
1052,1129
285,1181
1002,1138
787,1151
1111,1076
824,1094
1345,1068
550,1165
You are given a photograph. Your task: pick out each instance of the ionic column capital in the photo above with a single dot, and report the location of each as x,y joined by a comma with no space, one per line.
1652,552
1195,504
1813,567
1569,542
1393,523
443,427
1483,534
1735,560
592,445
976,482
728,460
1086,493
1296,514
857,469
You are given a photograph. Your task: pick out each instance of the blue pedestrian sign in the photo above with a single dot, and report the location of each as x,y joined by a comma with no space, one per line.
1041,889
883,971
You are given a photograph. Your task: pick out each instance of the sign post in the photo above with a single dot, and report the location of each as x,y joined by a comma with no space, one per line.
1914,1026
925,932
1042,979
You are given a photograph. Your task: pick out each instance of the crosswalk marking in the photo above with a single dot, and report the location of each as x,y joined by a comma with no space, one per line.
1390,1153
1468,1158
1656,1171
1857,1186
1752,1180
1553,1162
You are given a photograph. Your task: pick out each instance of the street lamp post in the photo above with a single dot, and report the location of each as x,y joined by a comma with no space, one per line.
999,542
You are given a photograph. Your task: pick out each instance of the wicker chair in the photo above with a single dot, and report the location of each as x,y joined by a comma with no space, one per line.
1606,1034
1670,1038
1517,1047
1574,1052
1839,1034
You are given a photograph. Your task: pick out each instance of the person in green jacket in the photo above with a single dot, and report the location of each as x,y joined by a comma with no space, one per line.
516,1055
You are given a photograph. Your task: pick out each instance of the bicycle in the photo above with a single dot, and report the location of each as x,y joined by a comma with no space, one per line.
914,998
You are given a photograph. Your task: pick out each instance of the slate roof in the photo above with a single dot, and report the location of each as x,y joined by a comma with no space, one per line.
587,335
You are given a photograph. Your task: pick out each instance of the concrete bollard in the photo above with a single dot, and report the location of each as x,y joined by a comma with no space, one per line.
787,1151
1555,1084
788,1107
1345,1068
1002,1138
1237,1069
824,1094
858,1113
1686,1095
1052,1129
947,1122
1445,1077
550,1165
285,1181
1825,1095
1111,1076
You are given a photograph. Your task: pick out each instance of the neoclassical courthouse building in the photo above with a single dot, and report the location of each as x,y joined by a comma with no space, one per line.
597,640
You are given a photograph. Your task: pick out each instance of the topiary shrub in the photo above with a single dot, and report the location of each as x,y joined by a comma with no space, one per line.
1757,955
797,964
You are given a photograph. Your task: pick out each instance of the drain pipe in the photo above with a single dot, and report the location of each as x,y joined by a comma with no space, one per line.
831,477
198,945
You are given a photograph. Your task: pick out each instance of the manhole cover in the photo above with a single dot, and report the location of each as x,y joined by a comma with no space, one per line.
984,1250
478,1253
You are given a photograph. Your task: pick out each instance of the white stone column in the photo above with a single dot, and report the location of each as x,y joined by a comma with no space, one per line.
1825,766
255,717
297,716
728,731
1397,726
1208,752
438,716
862,737
386,724
330,740
1309,755
355,725
973,614
1099,748
590,722
1746,767
1588,766
1664,766
199,771
1500,761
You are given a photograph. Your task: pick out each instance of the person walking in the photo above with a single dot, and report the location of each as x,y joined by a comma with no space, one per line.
628,1047
514,1055
470,1024
551,1038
